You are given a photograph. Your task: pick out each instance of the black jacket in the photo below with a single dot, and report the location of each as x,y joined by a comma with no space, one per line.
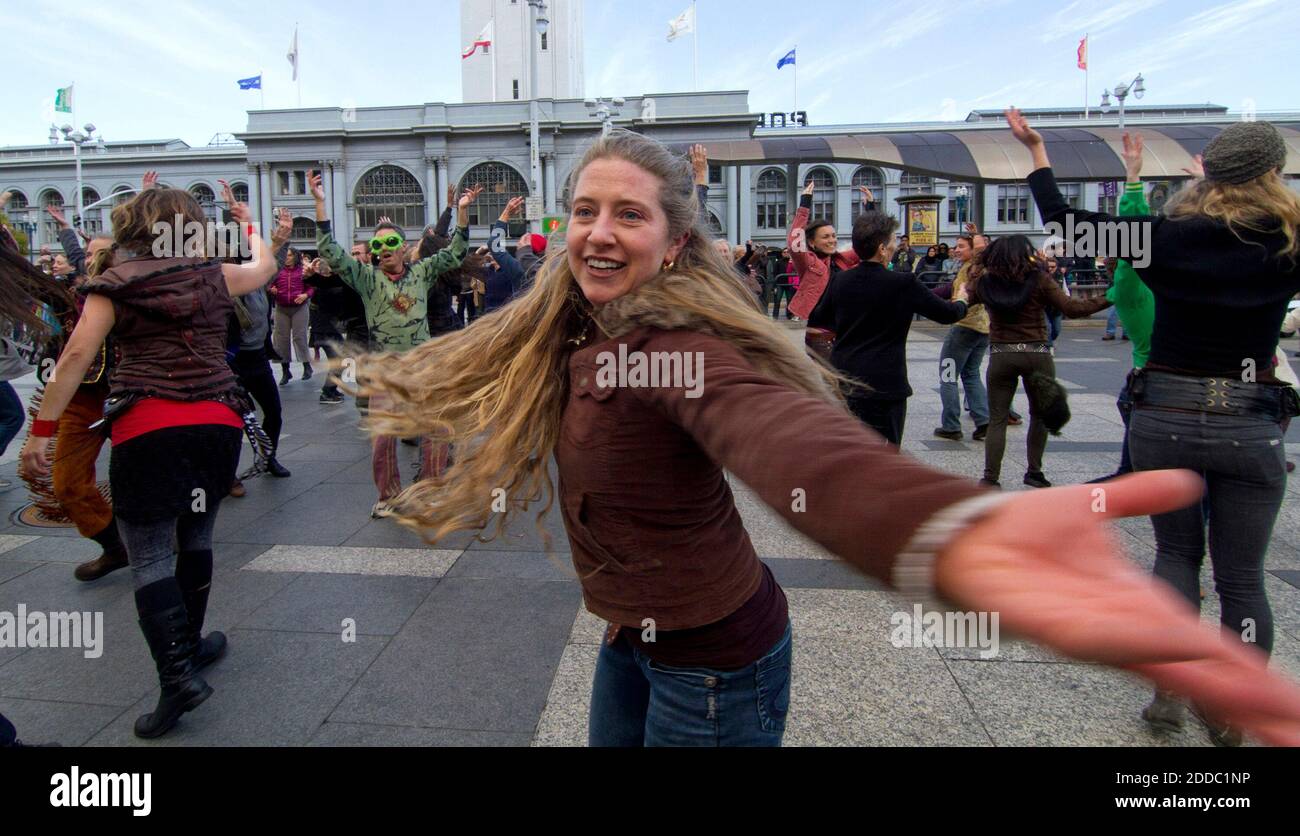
870,310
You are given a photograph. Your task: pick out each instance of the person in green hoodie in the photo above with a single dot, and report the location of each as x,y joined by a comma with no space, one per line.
1133,300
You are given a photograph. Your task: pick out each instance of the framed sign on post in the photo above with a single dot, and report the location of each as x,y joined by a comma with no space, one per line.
921,219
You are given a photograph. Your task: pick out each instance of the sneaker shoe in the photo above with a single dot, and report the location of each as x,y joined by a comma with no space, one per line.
276,469
286,376
1107,337
991,483
306,371
1014,421
981,432
951,435
1035,480
331,397
382,509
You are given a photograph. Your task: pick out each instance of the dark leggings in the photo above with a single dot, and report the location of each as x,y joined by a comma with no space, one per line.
1006,370
150,546
255,374
782,291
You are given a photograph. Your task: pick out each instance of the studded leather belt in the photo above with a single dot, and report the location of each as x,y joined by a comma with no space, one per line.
1214,395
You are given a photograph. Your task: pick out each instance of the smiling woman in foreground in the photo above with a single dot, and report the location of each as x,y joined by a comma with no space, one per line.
655,535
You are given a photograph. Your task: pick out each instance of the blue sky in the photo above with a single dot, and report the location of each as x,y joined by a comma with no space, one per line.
145,69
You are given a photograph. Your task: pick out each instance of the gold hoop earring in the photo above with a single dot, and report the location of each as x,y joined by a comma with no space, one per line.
667,265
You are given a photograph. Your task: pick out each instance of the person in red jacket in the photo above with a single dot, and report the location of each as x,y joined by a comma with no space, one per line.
813,251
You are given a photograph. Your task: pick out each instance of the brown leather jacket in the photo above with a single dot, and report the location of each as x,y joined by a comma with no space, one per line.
171,317
651,519
1028,322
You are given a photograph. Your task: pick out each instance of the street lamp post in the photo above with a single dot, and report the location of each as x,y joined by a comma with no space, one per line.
539,23
78,139
961,206
1136,87
603,109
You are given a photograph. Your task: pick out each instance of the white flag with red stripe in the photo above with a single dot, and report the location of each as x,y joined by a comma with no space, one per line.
484,39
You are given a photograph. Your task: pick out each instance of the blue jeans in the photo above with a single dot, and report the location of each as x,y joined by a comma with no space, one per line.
965,348
638,702
1112,321
1054,325
1243,461
12,415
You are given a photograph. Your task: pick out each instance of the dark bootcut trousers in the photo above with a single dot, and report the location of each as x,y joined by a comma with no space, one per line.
1006,370
636,701
884,415
254,371
1243,461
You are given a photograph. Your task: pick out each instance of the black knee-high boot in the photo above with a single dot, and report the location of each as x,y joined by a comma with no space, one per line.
194,575
165,625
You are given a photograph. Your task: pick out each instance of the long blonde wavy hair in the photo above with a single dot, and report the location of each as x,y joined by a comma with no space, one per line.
497,389
1261,205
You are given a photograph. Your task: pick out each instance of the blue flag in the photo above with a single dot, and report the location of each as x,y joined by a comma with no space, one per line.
254,83
787,59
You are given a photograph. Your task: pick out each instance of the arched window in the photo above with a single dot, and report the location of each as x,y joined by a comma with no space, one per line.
304,229
392,191
121,194
240,191
872,179
823,205
93,222
17,200
50,230
207,199
500,182
771,200
715,225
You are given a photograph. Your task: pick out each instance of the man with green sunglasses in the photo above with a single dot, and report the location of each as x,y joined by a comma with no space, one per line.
388,241
395,295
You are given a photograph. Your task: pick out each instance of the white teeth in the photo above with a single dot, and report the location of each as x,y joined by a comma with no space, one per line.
602,264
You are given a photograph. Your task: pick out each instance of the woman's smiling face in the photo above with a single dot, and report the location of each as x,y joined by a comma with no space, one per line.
618,237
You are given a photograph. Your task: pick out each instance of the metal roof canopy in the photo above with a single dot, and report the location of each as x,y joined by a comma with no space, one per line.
994,156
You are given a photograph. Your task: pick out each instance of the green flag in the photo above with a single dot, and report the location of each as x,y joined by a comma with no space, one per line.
63,100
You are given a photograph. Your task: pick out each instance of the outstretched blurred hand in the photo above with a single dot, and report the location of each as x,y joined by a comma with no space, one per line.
1047,564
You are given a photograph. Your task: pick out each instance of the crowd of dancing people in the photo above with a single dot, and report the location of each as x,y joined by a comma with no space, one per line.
487,359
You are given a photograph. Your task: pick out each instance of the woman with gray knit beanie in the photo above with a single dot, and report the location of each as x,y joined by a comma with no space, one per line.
1222,263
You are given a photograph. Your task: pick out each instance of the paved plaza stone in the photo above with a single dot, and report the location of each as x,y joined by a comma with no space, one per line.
488,644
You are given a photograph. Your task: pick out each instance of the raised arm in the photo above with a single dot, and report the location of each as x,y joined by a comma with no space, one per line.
699,156
1052,205
360,277
1130,295
68,239
253,275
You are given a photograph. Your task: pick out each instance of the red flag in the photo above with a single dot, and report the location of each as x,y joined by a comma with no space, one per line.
1083,53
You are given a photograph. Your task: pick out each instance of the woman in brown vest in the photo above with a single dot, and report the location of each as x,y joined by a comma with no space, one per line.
174,407
699,647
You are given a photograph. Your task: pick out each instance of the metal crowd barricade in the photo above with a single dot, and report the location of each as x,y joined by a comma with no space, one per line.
1087,284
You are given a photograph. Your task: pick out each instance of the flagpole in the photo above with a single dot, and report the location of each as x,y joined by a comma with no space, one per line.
695,40
493,49
1086,64
297,62
795,62
261,86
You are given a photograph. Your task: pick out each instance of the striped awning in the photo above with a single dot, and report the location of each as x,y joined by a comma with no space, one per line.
1077,154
